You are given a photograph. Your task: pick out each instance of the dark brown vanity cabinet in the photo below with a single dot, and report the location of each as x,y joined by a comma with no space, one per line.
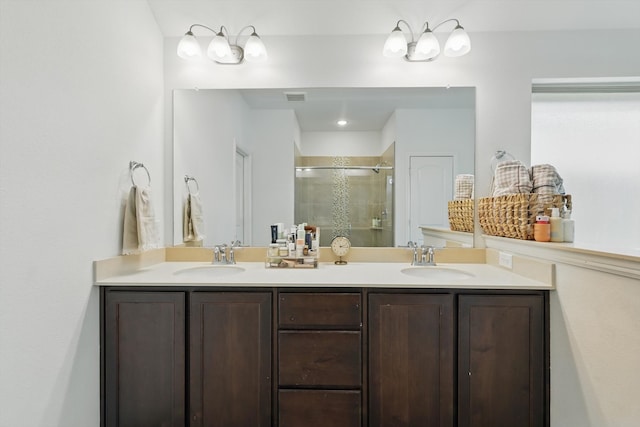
502,360
319,359
324,357
411,360
180,358
143,359
230,359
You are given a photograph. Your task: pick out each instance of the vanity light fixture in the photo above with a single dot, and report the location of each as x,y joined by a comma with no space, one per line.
427,48
341,122
220,49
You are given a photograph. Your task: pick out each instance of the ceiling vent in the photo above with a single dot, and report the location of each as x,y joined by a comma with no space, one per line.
295,96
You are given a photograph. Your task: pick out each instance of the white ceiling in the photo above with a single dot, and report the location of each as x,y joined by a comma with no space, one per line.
321,17
365,109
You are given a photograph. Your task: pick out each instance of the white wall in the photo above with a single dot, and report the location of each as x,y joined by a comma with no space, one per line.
273,133
81,95
208,124
593,141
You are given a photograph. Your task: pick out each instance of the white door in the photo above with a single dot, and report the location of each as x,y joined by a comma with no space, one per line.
431,187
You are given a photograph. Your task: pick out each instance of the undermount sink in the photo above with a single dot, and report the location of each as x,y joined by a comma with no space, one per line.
208,271
436,274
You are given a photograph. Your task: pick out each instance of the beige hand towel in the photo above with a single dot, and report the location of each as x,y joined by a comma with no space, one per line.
140,231
130,231
193,222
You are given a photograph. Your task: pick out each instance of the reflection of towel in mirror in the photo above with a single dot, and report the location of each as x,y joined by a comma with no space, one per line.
193,223
464,187
140,231
511,177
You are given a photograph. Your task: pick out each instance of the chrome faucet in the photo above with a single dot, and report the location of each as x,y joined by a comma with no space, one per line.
232,257
220,254
414,246
427,255
224,254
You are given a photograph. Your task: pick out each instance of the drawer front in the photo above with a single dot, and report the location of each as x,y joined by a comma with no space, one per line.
320,358
319,408
298,310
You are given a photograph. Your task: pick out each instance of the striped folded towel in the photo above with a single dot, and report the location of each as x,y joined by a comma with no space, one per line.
546,180
464,187
511,177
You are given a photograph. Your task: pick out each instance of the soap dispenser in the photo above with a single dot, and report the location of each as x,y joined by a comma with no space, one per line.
557,232
568,227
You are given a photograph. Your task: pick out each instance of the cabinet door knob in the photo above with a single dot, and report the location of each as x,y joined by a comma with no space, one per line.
292,318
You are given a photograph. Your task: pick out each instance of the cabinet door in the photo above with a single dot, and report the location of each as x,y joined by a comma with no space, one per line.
144,366
501,375
411,360
230,359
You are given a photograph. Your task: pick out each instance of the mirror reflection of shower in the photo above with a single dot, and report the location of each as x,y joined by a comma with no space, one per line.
347,196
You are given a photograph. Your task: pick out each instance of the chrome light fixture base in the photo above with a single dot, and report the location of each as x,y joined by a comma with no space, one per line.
236,57
414,56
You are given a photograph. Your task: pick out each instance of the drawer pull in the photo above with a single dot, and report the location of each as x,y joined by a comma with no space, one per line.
292,318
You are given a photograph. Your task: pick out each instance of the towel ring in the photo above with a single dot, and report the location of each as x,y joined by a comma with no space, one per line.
188,178
500,156
135,165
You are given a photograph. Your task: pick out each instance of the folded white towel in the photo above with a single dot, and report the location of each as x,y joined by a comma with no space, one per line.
546,180
511,177
193,222
140,231
464,187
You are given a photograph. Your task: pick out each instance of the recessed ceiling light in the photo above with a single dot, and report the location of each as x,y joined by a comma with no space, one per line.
341,122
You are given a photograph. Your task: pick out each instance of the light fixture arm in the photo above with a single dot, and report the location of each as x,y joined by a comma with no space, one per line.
408,26
204,26
221,33
253,31
444,22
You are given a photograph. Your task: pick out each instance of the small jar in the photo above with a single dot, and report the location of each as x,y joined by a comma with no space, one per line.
283,250
542,229
273,249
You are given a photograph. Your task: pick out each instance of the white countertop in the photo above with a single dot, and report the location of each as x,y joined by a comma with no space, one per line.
357,274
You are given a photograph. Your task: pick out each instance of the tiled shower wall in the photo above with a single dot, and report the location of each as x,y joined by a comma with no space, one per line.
346,201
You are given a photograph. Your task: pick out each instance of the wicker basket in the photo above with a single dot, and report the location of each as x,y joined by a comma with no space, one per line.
461,215
513,215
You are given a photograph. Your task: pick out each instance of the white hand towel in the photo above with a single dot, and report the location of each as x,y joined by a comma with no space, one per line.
140,231
130,230
148,236
193,222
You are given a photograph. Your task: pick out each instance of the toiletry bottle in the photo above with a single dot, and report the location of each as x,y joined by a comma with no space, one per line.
568,226
274,233
557,232
291,246
542,229
300,241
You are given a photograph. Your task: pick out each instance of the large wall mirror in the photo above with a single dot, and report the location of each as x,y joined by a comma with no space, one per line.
252,155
